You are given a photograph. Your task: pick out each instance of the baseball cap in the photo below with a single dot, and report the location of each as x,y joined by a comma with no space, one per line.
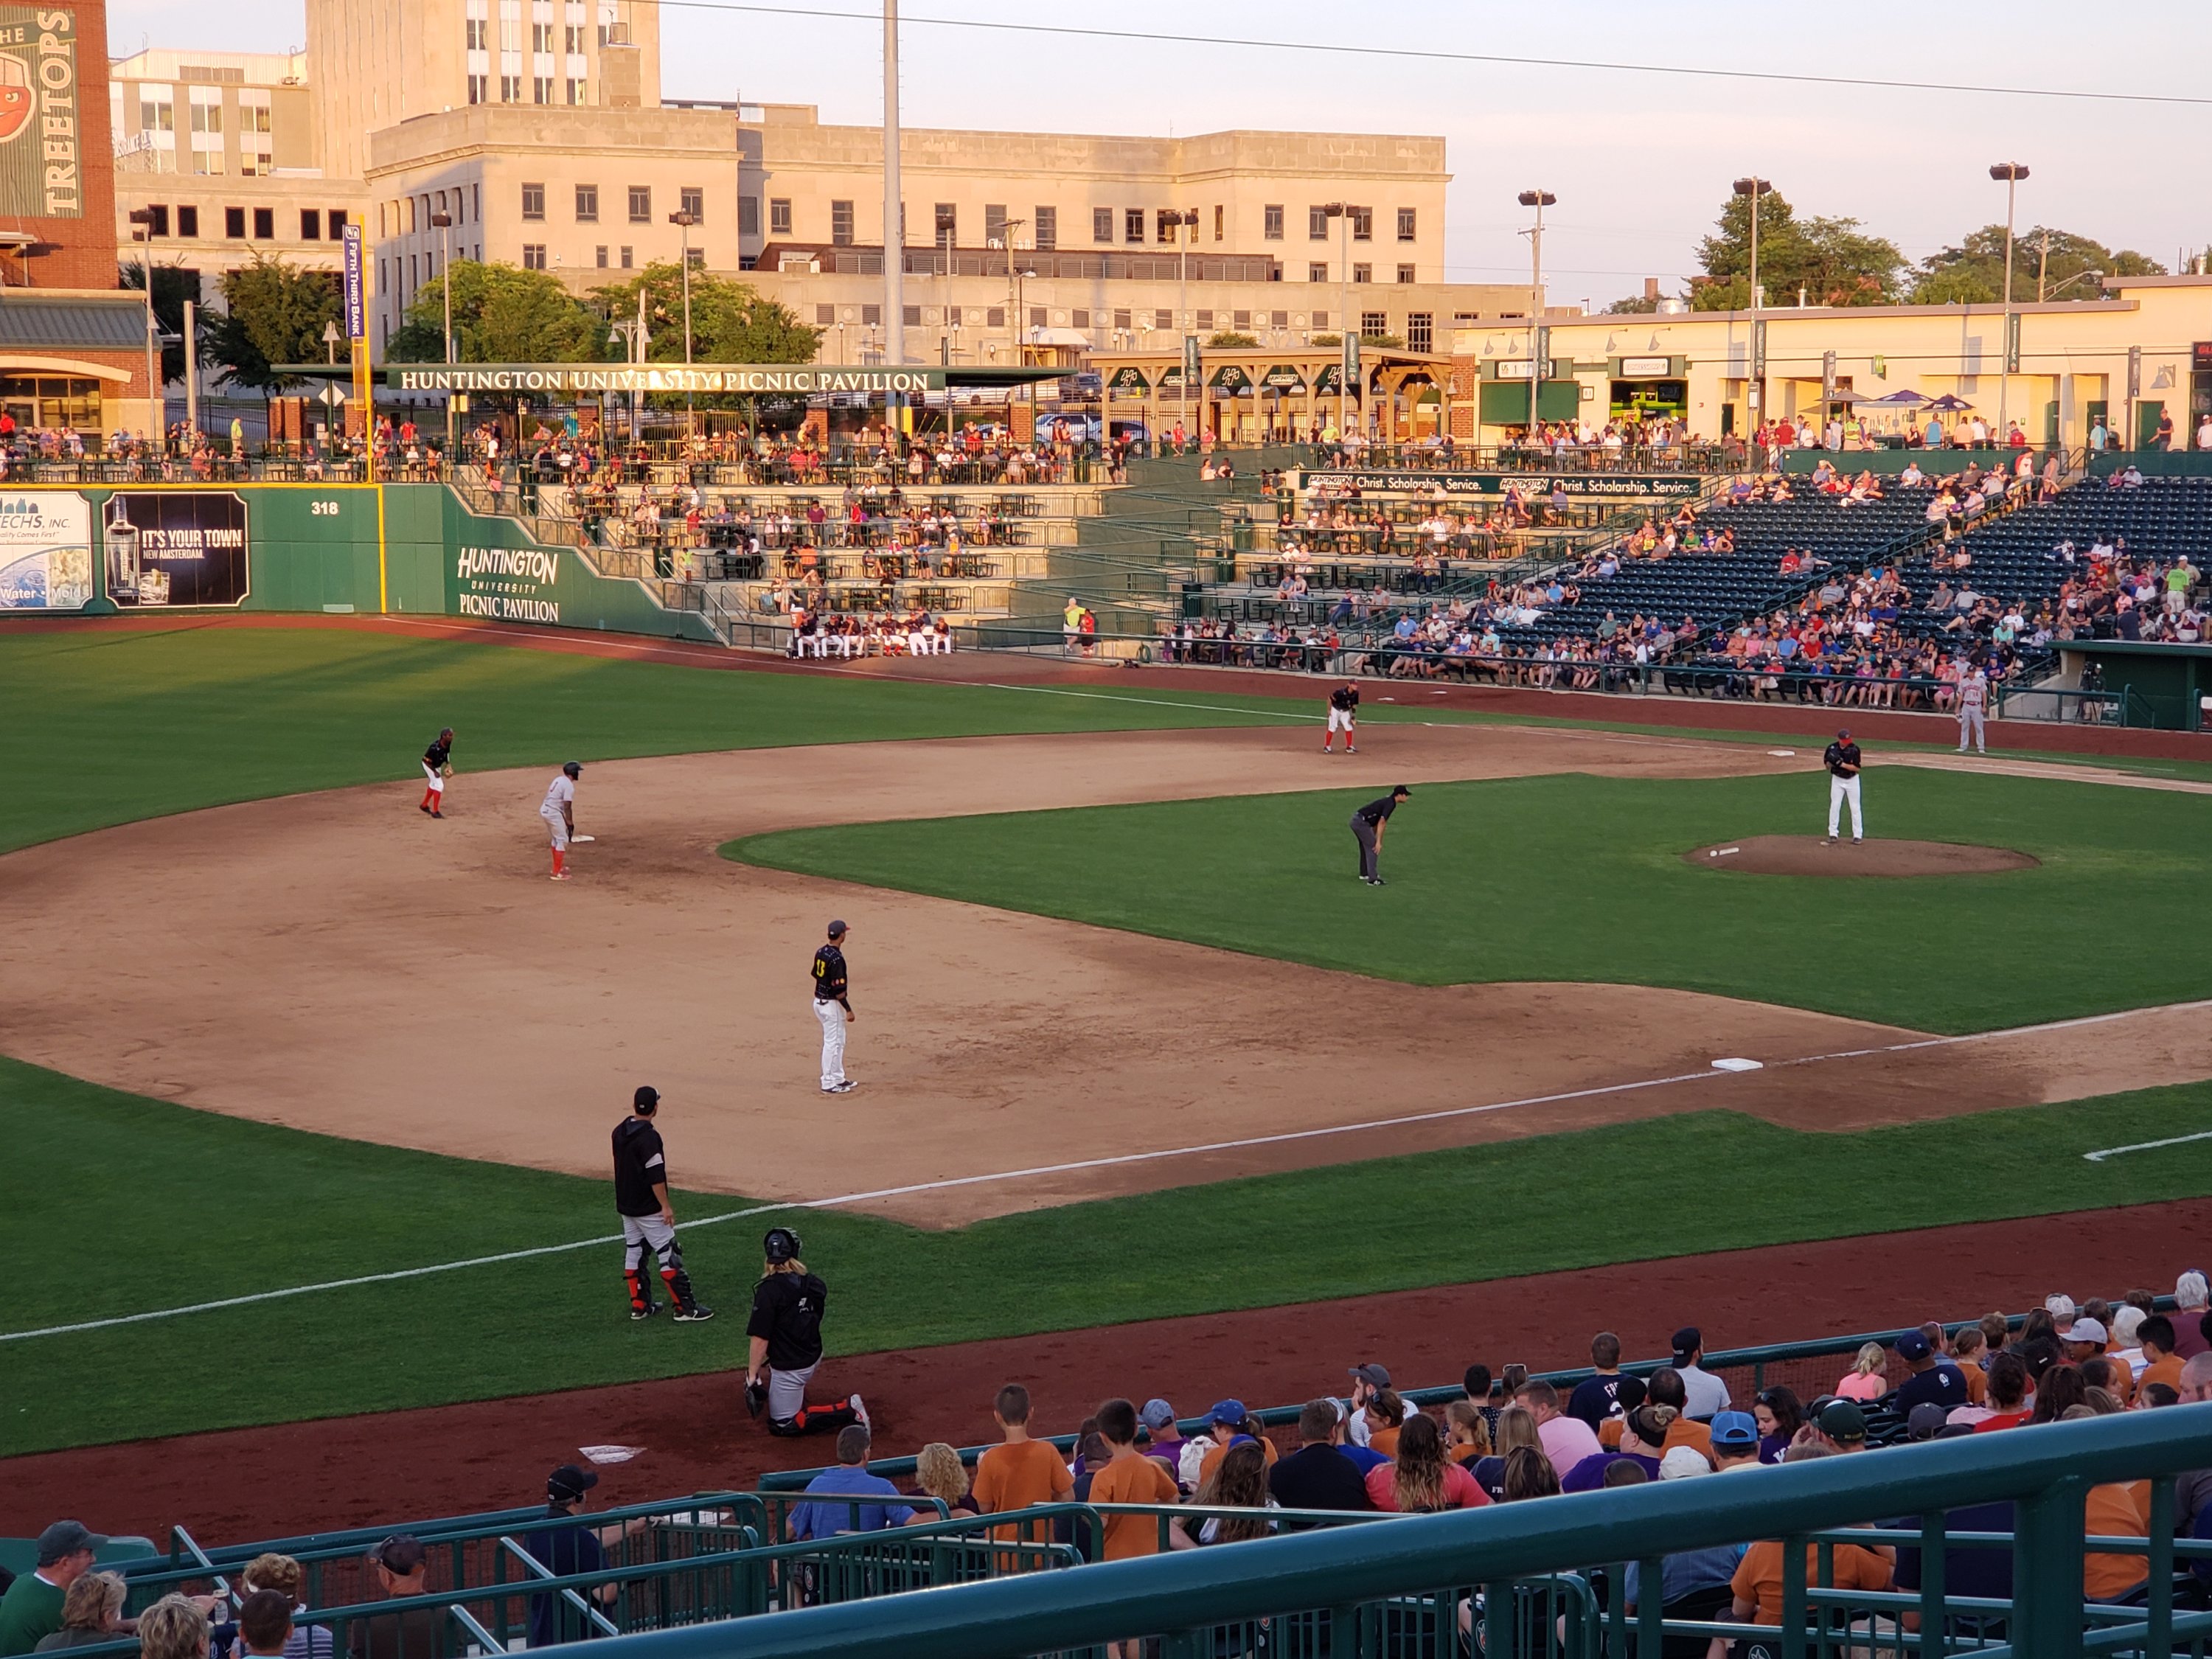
400,1555
2084,1330
1842,731
1842,1419
836,928
1735,1428
1231,1412
1374,1374
1688,1340
567,1483
64,1539
1925,1420
1401,788
1683,1462
1913,1344
2060,1307
646,1096
1156,1415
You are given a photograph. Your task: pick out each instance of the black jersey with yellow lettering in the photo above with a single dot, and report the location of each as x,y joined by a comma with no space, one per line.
830,981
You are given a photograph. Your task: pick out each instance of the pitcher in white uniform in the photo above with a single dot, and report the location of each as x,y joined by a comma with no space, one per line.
559,812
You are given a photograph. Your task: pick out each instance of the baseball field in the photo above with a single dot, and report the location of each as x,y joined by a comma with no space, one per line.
308,1096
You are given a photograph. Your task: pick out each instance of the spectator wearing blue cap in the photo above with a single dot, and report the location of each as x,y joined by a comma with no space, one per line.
1227,1424
1934,1379
1736,1441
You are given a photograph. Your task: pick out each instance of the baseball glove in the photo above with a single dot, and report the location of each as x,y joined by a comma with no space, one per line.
445,770
755,1399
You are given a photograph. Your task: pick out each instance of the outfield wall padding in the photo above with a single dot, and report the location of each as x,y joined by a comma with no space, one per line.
404,549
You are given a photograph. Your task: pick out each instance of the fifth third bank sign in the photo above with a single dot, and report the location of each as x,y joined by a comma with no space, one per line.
41,150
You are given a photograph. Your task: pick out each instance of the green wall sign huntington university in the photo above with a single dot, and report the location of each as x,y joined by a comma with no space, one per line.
41,170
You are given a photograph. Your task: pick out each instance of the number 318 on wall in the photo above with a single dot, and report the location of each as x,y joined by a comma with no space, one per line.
322,510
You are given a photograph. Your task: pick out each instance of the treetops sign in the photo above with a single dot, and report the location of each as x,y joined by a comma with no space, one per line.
703,379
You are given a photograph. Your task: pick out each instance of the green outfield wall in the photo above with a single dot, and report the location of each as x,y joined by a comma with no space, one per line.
402,550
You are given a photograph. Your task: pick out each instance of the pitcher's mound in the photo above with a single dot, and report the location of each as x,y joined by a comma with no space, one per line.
1810,855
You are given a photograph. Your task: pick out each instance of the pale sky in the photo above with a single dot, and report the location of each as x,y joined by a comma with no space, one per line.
1640,162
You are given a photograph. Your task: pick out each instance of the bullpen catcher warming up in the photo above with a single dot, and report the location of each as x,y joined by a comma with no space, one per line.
649,1220
785,1346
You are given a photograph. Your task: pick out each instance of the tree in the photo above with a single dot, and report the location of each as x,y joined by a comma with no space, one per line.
1635,305
272,313
730,322
1973,273
173,286
501,314
1832,260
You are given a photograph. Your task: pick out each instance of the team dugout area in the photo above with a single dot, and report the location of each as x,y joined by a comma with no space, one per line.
1872,1526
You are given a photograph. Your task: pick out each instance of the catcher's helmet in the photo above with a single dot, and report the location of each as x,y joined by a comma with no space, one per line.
781,1245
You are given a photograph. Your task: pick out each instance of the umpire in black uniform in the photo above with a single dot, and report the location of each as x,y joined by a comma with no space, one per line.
1367,829
786,1343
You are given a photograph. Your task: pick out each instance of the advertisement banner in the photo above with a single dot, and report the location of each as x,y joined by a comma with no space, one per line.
356,301
1494,484
170,548
46,551
508,584
41,146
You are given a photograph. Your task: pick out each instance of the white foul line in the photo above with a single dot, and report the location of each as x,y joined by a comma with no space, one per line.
2146,1146
1150,1156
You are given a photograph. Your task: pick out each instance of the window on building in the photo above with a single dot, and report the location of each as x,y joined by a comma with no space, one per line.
1317,224
1044,223
1363,273
188,221
476,201
994,224
1320,319
995,317
510,30
945,225
1271,221
576,91
1420,330
541,89
841,221
1316,272
692,200
696,258
533,201
479,87
475,34
157,221
1240,319
1363,223
510,89
1078,319
541,39
1405,273
207,109
1405,225
572,39
1132,224
824,315
311,225
1102,224
912,315
641,205
1163,318
533,256
600,256
1372,323
264,224
1167,226
872,316
748,216
157,115
587,204
1220,219
1038,317
1206,322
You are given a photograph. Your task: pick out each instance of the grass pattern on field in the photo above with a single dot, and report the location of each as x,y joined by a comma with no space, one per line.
1573,877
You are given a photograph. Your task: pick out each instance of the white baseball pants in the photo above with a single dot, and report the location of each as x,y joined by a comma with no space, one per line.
1339,719
437,784
832,1016
1840,791
1970,727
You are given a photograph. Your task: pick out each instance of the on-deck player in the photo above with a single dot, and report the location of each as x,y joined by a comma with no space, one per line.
648,1219
559,812
1841,757
833,1006
1343,716
437,767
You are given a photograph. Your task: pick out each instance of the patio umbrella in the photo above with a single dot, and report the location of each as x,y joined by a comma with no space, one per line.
1947,404
1905,400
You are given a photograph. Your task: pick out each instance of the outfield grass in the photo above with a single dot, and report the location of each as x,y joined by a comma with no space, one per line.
1578,878
191,1207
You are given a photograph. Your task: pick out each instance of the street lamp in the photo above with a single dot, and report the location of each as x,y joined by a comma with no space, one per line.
157,413
1755,187
1538,199
444,222
2059,289
683,222
2011,172
330,339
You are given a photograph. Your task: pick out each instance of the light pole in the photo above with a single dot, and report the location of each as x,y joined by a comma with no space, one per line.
683,222
2011,172
1538,199
1754,188
1341,212
444,221
1185,220
157,415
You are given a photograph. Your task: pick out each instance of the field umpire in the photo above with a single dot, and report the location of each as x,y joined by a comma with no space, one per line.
786,1333
1367,829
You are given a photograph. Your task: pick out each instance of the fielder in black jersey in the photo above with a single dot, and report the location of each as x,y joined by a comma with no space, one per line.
833,1006
1841,757
785,1343
437,767
1343,716
648,1219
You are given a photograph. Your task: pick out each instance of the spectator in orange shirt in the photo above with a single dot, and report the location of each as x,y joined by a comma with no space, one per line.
2121,1510
2160,1362
1228,1423
1386,1420
1019,1472
1669,1391
1128,1477
1757,1585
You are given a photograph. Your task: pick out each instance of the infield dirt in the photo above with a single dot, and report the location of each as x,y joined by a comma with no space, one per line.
339,962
